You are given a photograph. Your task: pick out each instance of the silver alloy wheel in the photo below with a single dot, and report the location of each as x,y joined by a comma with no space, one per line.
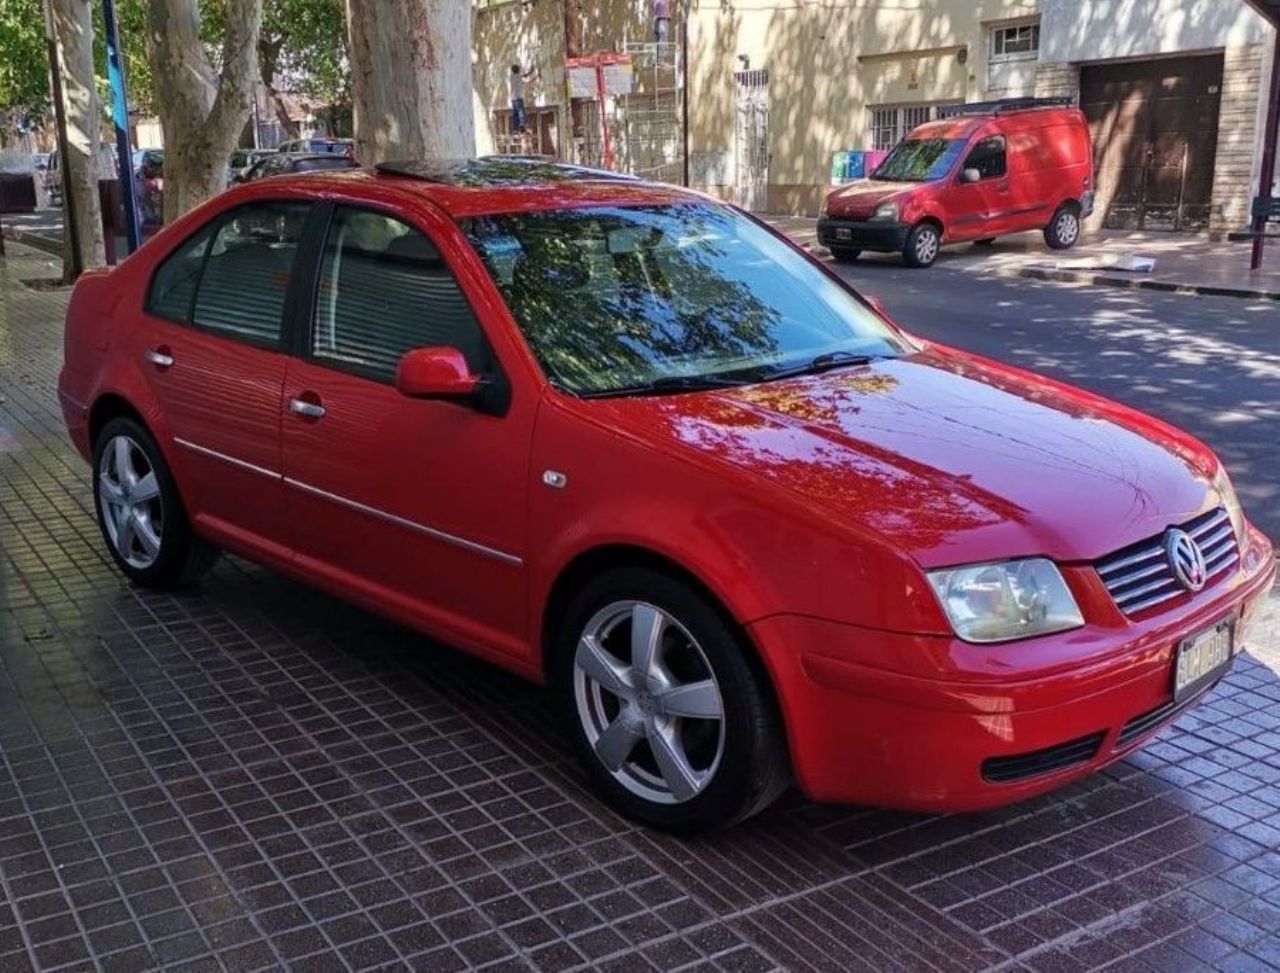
1068,228
129,497
926,244
649,702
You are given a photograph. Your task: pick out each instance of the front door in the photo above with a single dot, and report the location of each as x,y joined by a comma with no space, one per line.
415,507
213,356
977,210
1154,126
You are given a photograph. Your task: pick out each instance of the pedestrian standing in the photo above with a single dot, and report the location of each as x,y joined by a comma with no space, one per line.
518,78
661,20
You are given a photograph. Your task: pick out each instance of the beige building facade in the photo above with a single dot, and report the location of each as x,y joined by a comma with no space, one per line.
777,87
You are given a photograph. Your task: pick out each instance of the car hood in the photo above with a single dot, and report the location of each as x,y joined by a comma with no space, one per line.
948,457
858,200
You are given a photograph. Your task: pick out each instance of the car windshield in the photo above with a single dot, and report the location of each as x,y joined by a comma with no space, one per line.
920,160
618,299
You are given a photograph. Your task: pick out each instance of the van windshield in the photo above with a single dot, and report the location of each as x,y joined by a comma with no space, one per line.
920,160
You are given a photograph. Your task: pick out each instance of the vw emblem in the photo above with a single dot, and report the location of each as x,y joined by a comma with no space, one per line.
1186,560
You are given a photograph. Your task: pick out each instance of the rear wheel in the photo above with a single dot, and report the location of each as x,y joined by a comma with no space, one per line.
1063,231
672,722
139,510
922,246
845,255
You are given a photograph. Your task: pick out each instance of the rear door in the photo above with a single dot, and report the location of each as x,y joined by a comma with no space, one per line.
215,360
976,210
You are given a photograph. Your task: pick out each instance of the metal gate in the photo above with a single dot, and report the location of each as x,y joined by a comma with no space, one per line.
1155,136
751,140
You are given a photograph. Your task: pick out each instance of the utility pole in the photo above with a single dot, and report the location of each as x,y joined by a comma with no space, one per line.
1271,134
684,86
60,118
120,113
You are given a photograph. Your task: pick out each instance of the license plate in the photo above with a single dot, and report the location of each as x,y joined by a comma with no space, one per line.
1203,658
844,233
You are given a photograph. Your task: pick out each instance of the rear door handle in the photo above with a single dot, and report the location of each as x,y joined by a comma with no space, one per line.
160,357
311,410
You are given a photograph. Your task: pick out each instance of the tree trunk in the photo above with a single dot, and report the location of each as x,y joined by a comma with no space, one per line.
411,79
73,27
202,114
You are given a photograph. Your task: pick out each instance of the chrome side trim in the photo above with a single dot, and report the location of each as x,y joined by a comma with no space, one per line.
391,518
231,460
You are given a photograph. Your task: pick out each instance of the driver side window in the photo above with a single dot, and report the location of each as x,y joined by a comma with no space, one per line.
385,290
988,157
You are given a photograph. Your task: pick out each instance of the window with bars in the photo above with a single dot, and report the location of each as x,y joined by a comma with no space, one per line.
890,123
1015,43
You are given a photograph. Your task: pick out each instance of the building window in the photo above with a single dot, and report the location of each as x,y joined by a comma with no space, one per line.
888,124
1015,43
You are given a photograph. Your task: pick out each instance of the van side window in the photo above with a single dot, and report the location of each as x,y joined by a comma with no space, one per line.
988,157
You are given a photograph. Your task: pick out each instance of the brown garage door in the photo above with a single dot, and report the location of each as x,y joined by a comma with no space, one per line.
1155,136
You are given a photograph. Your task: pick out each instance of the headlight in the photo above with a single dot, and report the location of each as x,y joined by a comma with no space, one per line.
886,211
1227,492
1007,600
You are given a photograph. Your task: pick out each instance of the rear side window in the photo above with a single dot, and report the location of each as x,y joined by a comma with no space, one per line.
173,288
246,271
988,157
385,290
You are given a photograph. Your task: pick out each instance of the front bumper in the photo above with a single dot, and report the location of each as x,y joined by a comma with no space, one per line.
877,235
861,734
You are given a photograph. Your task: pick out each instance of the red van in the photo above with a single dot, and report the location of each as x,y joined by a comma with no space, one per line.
988,169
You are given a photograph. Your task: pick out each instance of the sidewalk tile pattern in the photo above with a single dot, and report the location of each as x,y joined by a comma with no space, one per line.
251,776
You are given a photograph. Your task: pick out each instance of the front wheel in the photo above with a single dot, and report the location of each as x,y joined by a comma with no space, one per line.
922,246
140,513
672,721
1063,231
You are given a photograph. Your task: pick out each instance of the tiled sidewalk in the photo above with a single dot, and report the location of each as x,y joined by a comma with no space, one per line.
252,776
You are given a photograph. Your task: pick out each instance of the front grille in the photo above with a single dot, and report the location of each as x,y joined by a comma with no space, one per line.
1005,770
1139,576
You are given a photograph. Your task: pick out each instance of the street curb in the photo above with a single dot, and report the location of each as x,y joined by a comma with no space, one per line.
35,240
1166,286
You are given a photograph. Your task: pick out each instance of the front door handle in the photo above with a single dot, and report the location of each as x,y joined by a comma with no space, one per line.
309,410
160,357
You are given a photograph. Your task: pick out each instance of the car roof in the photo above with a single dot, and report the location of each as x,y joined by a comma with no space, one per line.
501,184
961,126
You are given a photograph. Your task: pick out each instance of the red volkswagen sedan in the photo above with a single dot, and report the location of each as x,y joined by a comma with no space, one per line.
627,440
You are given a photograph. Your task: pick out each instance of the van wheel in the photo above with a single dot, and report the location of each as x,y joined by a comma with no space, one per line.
140,513
1063,231
845,255
922,246
672,722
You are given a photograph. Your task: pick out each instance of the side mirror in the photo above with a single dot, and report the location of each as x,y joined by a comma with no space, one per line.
971,175
435,373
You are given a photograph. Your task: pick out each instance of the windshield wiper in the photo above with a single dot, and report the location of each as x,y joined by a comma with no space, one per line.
823,363
669,383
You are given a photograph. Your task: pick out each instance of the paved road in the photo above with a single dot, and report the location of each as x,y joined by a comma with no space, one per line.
1209,365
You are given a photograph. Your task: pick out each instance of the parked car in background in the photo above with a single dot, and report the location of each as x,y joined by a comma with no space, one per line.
986,170
242,159
321,146
280,163
625,439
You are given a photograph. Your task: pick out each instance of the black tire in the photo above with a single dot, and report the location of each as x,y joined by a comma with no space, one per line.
751,768
845,255
924,242
988,241
1063,231
181,557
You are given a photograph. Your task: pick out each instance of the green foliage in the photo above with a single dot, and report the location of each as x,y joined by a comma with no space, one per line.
24,68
